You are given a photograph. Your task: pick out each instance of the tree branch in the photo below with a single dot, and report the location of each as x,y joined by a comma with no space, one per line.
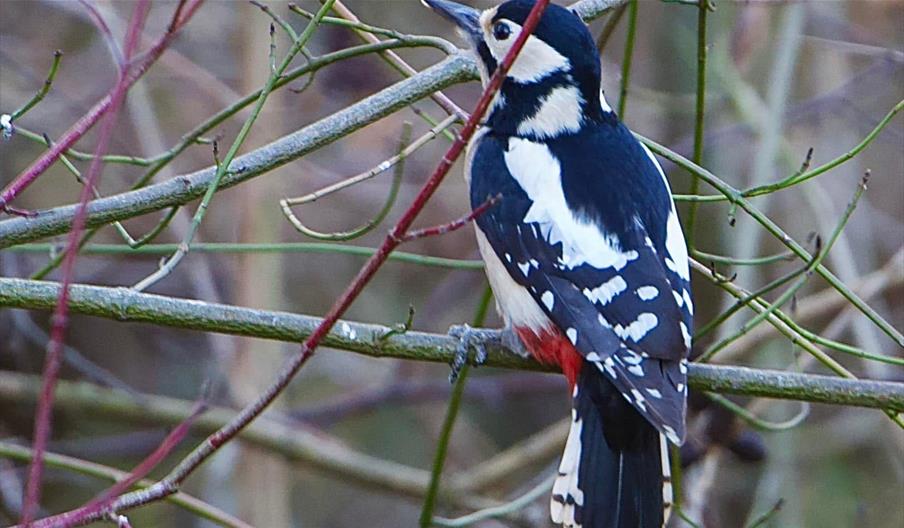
124,305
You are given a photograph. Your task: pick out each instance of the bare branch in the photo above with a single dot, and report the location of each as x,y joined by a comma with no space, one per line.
123,305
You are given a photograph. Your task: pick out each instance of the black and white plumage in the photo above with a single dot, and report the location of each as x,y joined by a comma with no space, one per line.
587,261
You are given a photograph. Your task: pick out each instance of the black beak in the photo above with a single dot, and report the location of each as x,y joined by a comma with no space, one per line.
466,18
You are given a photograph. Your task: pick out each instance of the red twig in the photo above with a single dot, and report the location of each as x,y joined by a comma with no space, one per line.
184,11
42,425
99,506
453,225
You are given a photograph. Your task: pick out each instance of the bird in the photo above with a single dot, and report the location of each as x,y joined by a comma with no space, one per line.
584,251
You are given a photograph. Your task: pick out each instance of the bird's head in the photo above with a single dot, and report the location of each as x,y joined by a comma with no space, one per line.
553,86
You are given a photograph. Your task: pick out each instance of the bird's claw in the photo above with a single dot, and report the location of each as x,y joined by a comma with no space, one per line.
467,338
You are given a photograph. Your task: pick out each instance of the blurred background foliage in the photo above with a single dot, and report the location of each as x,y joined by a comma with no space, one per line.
783,76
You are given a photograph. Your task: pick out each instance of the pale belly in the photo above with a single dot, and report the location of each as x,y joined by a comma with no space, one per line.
514,303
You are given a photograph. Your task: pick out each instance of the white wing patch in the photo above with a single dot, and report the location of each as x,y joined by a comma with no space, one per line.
572,335
538,172
674,237
675,245
639,328
606,291
549,300
647,293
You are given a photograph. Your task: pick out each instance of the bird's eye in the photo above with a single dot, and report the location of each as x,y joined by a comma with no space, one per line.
501,31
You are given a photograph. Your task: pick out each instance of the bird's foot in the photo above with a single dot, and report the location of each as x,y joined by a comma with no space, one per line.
478,339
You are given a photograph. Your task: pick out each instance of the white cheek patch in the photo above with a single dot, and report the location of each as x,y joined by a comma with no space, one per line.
559,112
536,60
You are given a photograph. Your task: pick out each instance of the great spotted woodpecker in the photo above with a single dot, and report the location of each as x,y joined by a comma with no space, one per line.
586,258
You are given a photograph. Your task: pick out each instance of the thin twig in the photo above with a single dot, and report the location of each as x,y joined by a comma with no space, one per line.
699,120
393,58
379,169
241,248
539,447
626,61
104,29
454,225
45,88
508,508
373,222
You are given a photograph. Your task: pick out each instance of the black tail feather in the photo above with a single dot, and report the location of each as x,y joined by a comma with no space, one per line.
613,473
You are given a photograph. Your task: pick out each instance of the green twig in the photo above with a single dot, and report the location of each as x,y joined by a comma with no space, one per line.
445,45
293,36
732,261
370,224
39,96
85,156
626,61
763,519
442,445
798,177
755,421
229,247
699,120
747,299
